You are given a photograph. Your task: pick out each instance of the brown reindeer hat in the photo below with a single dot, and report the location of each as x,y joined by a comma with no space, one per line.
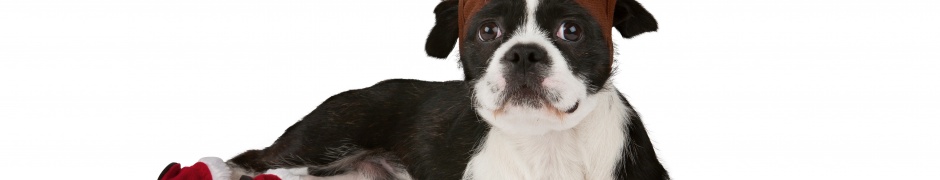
601,10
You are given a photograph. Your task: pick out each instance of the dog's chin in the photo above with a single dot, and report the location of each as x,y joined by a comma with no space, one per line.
539,118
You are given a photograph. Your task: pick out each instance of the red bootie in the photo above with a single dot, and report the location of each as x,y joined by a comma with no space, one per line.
208,168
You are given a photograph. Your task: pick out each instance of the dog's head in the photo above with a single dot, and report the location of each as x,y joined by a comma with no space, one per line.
535,65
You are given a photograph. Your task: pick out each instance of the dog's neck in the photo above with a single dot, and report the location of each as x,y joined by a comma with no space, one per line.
590,150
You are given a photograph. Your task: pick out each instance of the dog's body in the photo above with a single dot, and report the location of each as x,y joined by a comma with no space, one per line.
536,104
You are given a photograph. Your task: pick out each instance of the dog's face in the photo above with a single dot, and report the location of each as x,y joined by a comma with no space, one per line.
535,65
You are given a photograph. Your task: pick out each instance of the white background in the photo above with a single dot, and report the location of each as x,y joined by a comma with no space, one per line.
729,89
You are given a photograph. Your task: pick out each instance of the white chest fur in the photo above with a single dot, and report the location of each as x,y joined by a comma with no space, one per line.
590,150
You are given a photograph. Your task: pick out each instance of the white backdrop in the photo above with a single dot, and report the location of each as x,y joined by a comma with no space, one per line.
729,89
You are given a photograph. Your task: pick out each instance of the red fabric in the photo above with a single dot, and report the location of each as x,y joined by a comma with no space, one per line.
267,177
198,171
170,171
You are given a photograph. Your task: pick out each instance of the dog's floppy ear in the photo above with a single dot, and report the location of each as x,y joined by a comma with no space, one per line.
444,35
631,19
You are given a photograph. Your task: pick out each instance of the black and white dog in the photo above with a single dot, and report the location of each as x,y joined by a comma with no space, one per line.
537,103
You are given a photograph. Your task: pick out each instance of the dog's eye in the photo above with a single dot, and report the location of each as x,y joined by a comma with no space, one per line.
569,31
489,31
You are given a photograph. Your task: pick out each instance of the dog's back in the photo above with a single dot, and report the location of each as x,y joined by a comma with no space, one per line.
373,131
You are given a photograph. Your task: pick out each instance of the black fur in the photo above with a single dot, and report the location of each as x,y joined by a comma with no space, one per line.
588,57
631,19
429,126
443,35
475,54
639,160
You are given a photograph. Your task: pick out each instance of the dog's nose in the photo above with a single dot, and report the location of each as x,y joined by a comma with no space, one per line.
526,55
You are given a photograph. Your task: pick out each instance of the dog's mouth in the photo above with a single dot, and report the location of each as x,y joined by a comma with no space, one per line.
534,97
525,95
547,107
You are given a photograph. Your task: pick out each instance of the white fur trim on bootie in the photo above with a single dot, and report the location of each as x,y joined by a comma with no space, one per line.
217,167
288,174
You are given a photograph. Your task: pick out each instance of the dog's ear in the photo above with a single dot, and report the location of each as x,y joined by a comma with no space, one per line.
444,35
631,19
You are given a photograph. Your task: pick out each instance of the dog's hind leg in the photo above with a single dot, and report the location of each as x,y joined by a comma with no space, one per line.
291,151
347,161
343,160
349,123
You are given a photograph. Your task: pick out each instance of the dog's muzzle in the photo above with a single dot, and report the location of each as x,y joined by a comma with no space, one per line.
526,66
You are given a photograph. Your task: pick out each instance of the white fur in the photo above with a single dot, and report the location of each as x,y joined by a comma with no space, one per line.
354,175
560,82
302,174
217,167
536,143
288,174
589,150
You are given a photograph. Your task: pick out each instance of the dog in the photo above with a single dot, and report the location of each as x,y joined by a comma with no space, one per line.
536,103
